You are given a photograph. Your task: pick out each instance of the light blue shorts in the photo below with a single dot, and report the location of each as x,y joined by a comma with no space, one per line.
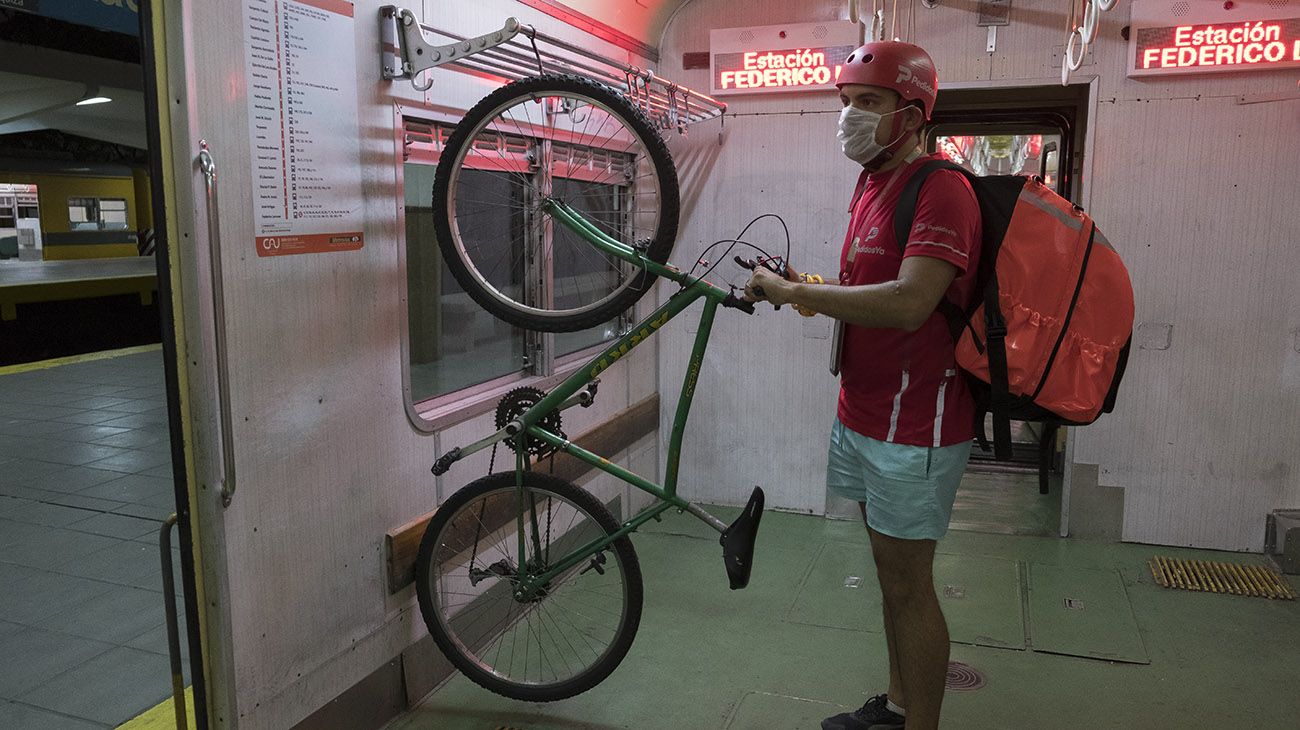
908,490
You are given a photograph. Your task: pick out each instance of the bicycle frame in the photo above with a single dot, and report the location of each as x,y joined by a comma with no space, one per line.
692,290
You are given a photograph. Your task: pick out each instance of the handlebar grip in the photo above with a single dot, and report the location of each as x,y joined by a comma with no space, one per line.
736,302
759,291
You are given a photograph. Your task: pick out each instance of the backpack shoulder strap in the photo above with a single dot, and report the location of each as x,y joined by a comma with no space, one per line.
906,210
903,216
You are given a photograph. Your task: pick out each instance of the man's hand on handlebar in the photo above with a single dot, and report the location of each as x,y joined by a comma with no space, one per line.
764,286
767,279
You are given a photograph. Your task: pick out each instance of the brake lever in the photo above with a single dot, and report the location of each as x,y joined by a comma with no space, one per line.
775,265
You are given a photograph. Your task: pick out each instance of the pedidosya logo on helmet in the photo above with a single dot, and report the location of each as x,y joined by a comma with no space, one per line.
905,76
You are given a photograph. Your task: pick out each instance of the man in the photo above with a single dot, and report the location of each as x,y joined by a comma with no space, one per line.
905,418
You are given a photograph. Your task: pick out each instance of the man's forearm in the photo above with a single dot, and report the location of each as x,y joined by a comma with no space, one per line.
874,305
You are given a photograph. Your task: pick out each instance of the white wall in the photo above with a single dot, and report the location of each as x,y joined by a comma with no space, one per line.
327,460
1195,189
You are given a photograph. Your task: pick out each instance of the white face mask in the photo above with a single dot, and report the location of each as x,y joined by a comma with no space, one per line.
857,133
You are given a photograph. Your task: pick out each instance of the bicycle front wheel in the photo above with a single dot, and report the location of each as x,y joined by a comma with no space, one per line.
563,640
560,138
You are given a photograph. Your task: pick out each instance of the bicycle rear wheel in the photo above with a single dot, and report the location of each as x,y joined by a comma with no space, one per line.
553,137
569,636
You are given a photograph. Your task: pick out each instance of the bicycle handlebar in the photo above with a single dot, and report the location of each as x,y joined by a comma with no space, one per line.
736,302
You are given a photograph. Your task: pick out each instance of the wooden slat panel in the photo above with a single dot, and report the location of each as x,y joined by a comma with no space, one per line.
610,437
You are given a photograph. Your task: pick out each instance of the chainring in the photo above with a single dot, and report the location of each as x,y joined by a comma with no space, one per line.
517,402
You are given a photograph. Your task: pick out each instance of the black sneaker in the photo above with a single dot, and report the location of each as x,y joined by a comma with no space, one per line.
872,716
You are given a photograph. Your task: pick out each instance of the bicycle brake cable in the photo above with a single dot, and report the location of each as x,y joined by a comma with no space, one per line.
739,239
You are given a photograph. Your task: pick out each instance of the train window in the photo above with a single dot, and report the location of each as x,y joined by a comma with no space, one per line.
600,204
97,214
457,348
454,344
112,214
82,214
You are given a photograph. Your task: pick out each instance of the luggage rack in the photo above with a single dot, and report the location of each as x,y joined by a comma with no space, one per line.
513,53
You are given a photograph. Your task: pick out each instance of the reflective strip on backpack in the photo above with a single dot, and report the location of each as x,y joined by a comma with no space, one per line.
1045,206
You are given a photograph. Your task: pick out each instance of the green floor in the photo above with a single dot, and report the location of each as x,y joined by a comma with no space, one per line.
797,644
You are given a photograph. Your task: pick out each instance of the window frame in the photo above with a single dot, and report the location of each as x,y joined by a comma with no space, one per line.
449,409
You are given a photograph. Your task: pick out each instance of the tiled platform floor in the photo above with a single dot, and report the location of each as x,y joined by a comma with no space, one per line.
85,483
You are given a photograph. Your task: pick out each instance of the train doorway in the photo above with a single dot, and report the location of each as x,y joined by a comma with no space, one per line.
1028,130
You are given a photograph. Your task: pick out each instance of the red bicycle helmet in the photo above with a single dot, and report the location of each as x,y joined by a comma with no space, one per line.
903,67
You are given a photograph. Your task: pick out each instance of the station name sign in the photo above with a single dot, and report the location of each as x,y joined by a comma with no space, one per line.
768,59
798,67
1244,43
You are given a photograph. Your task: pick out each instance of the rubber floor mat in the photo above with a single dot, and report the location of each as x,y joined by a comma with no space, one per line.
1213,577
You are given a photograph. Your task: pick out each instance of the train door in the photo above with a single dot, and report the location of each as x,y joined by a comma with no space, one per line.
1017,131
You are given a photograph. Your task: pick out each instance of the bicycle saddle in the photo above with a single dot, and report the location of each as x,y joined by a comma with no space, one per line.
738,541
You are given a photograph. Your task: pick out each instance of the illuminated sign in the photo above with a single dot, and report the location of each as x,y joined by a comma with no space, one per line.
1212,38
776,58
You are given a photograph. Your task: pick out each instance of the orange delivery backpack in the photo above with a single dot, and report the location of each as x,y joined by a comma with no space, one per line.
1046,336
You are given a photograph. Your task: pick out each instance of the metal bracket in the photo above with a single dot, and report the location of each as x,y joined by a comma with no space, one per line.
416,55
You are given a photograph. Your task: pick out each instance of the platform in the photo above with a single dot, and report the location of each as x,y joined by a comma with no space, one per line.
23,282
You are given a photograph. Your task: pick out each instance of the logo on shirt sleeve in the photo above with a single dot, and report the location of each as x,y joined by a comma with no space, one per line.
922,227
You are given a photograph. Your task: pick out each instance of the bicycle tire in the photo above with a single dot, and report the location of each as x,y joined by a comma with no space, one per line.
452,647
658,247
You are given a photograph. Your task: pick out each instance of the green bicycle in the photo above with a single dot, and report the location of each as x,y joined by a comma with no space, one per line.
528,583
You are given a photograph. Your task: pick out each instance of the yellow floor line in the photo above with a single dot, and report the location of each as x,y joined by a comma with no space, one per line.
162,717
27,367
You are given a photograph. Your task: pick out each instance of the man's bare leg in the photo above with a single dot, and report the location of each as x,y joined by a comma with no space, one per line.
904,568
895,690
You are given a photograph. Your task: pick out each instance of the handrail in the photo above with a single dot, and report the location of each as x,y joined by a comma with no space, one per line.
209,167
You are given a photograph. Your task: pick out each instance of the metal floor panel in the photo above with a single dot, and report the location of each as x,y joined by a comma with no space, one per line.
767,710
1083,613
839,590
980,596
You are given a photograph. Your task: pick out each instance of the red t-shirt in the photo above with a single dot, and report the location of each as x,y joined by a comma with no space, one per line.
899,386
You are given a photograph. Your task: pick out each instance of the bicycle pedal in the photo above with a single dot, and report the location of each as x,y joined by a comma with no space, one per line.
597,564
